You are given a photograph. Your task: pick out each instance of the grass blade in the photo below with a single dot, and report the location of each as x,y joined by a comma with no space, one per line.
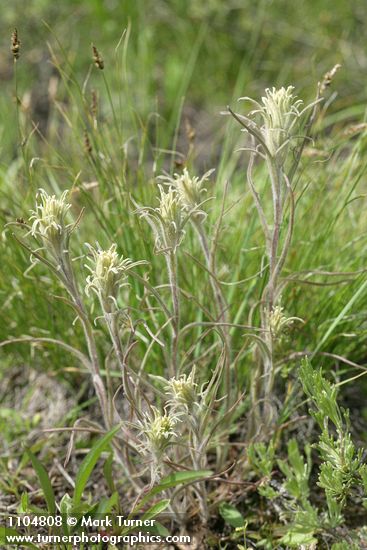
89,463
173,480
45,482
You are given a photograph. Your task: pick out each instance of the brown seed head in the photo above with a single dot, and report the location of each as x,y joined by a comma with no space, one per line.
179,163
94,104
87,143
15,44
328,77
355,129
97,58
190,131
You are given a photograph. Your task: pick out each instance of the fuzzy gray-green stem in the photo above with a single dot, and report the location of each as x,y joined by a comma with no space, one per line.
270,292
199,462
221,305
68,279
173,281
111,320
263,384
112,324
219,298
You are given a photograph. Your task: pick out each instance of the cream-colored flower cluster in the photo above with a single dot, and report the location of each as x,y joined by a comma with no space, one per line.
278,322
49,221
158,430
182,392
108,271
189,188
177,204
279,112
167,221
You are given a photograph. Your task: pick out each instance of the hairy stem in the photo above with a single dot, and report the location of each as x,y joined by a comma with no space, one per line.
263,384
173,281
113,329
69,281
221,305
199,462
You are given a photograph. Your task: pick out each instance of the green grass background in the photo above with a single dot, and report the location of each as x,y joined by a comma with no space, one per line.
166,63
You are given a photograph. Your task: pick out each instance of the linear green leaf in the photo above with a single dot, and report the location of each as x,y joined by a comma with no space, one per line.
45,482
173,480
341,315
7,532
89,462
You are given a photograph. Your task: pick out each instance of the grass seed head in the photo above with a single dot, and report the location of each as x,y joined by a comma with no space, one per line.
87,144
328,78
15,44
97,58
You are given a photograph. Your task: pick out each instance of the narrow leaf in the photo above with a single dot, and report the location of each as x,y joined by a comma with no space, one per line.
340,317
156,509
173,480
7,532
45,482
89,463
148,515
